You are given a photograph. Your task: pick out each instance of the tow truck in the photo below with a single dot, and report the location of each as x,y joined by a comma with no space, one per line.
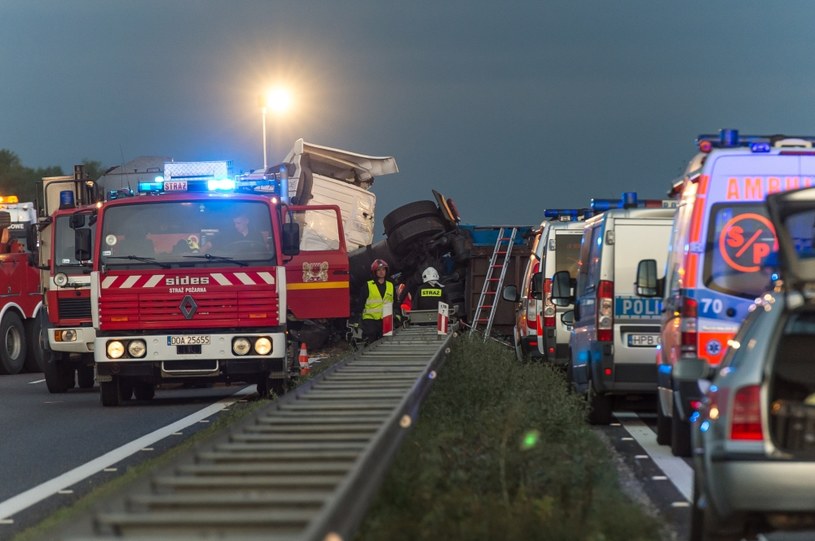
19,282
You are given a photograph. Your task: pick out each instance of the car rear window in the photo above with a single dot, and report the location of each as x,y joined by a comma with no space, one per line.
567,253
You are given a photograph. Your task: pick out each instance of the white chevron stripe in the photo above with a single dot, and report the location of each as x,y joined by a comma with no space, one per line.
131,281
154,280
267,277
221,279
244,278
108,281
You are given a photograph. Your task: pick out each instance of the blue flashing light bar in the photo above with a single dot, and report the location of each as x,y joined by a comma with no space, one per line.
759,147
730,138
223,184
630,200
568,215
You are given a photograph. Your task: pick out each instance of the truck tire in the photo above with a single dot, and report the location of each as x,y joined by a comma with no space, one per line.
59,375
144,390
34,358
402,236
599,408
110,392
12,344
85,372
663,425
408,213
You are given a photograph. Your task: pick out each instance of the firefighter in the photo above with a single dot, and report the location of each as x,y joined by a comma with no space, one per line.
370,300
428,295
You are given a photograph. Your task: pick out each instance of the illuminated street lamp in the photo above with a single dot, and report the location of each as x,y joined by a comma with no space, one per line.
278,100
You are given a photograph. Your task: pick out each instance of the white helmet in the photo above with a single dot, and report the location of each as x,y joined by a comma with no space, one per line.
430,275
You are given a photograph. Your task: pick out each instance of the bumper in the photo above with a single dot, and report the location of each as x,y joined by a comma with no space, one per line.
84,343
760,485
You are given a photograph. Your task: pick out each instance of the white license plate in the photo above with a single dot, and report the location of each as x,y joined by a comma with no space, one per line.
643,340
189,340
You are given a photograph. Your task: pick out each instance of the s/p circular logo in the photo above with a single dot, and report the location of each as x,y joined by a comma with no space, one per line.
746,240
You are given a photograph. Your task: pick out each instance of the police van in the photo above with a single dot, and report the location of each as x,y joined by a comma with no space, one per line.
559,250
615,331
717,259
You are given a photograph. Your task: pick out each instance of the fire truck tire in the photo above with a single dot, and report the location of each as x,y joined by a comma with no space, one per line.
144,391
59,375
264,386
85,372
399,239
407,213
110,392
33,354
12,347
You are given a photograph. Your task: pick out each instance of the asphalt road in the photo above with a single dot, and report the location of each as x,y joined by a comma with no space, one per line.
56,448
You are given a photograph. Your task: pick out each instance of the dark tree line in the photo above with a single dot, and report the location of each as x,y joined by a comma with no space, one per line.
17,179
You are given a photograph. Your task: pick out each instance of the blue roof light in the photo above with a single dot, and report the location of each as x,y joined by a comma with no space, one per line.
223,184
759,147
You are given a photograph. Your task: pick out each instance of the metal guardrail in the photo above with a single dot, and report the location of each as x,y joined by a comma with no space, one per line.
304,468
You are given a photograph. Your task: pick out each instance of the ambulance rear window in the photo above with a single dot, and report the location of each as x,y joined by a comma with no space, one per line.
567,253
740,239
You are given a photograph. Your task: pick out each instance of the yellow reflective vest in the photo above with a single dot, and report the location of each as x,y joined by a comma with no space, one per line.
375,301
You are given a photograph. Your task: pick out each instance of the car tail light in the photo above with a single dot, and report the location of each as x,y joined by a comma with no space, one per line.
605,311
687,326
531,303
548,306
745,423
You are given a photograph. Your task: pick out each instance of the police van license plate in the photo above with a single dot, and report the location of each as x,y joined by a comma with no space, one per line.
188,340
643,340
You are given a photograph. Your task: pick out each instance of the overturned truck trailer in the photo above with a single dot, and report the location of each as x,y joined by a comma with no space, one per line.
429,233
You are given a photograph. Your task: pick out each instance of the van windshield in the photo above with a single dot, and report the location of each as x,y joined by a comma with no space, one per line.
740,242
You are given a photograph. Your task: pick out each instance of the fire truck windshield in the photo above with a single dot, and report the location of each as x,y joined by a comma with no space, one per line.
169,232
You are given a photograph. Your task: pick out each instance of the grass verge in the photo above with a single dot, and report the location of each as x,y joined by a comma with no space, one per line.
502,451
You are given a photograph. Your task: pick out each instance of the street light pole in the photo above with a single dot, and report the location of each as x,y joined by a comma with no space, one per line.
263,117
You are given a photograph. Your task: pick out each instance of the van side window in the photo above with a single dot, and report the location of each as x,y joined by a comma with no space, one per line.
595,249
583,282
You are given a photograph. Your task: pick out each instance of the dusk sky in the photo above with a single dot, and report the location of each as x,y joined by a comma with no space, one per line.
507,107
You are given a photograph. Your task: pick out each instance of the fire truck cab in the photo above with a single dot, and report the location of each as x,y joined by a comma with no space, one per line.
189,284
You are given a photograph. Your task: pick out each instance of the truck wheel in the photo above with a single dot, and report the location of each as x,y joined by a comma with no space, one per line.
399,239
34,357
59,375
110,392
12,344
264,386
279,386
144,390
408,213
84,376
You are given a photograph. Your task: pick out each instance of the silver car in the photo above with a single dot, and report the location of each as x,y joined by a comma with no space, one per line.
754,436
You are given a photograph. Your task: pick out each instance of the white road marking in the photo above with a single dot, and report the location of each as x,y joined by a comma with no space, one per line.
32,496
36,381
677,470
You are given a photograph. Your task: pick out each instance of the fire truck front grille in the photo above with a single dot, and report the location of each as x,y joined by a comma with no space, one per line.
221,309
74,308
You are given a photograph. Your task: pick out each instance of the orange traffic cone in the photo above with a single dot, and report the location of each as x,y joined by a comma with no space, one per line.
303,359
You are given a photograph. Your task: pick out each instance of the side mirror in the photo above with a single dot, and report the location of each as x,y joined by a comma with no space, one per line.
691,369
77,221
537,286
562,289
291,238
510,293
647,284
567,318
82,244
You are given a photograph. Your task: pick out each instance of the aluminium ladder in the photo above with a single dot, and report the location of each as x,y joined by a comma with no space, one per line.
488,300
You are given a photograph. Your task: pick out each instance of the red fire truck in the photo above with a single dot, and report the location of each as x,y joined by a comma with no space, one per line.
189,282
19,282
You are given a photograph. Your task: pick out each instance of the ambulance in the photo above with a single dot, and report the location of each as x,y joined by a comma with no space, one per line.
719,257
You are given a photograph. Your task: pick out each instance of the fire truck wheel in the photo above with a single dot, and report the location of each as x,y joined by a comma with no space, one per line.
59,376
264,385
279,386
84,377
12,347
144,391
110,392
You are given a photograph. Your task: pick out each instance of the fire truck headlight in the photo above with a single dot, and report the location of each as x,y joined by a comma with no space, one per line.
241,346
115,349
263,346
61,279
137,348
65,335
